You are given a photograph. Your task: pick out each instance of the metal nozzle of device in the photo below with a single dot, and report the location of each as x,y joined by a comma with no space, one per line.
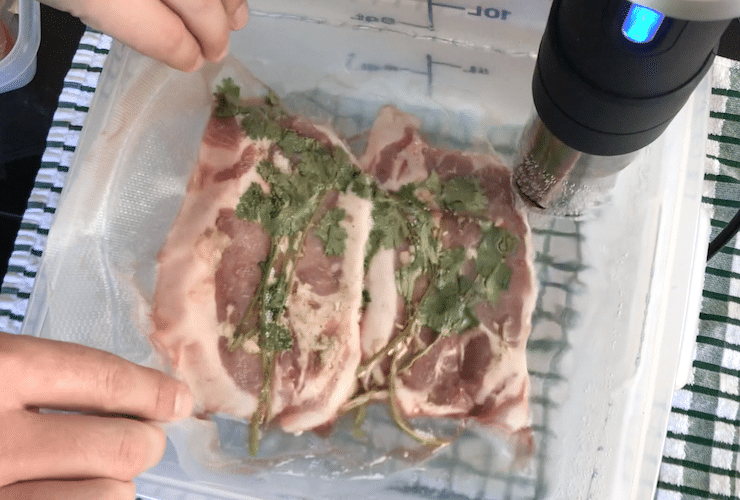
552,176
603,91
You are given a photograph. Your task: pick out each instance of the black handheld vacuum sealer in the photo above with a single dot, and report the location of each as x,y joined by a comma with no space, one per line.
609,78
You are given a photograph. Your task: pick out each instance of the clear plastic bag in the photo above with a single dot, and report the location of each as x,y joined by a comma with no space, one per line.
599,357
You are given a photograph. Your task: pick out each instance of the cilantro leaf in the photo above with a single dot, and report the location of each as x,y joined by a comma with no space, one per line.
433,183
253,124
289,207
228,88
406,196
276,296
293,144
312,168
389,224
344,172
364,186
390,227
273,131
372,247
227,99
497,282
257,124
251,203
272,99
406,277
447,305
425,239
447,310
331,232
496,244
462,194
507,243
451,264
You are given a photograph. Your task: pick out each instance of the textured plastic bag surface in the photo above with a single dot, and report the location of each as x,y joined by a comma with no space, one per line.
113,220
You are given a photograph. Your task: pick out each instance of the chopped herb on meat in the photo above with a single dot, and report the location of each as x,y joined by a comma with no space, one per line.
331,233
463,195
288,210
227,99
440,285
291,206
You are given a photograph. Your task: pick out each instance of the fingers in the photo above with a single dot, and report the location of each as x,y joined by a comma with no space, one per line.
71,446
237,12
41,446
50,374
181,33
208,22
148,26
90,489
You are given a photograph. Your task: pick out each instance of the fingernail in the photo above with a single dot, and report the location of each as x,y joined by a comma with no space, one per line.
183,402
239,19
155,447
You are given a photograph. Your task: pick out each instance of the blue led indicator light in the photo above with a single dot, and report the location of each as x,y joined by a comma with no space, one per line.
641,24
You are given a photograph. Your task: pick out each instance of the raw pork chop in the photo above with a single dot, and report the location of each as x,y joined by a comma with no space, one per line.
480,372
209,272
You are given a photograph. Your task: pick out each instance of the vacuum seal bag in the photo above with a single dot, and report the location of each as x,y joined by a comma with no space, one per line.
597,355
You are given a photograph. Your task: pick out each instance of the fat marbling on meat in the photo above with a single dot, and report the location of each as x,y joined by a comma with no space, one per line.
481,372
209,270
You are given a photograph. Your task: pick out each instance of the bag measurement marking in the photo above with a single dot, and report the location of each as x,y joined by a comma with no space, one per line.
492,13
428,71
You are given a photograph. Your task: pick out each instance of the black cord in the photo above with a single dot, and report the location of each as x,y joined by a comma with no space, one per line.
728,48
723,237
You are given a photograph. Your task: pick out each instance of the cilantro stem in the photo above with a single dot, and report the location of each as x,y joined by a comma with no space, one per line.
250,313
434,342
422,353
289,261
357,431
362,400
406,333
293,257
388,349
396,412
240,336
262,412
411,329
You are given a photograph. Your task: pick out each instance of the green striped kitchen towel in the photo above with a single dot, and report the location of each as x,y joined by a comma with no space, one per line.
700,458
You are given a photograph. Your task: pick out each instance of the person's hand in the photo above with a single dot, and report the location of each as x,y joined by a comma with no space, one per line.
94,453
181,33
